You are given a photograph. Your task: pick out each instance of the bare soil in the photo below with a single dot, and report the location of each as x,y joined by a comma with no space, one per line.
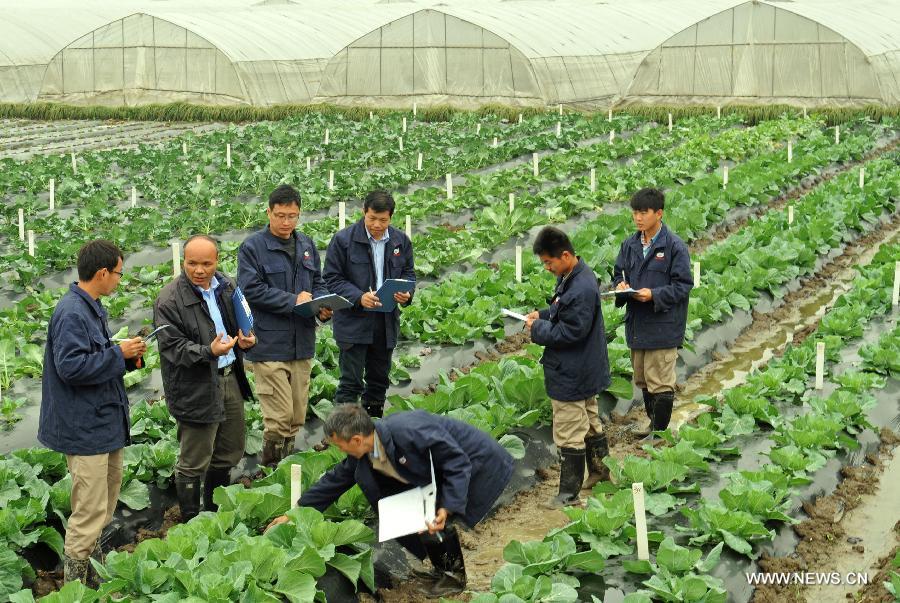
171,517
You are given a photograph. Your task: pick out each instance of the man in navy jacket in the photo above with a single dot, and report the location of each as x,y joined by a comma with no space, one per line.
84,409
576,364
657,264
359,259
394,454
278,268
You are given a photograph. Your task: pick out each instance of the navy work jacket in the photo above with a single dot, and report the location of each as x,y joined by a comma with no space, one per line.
350,272
471,468
270,283
666,271
576,364
84,409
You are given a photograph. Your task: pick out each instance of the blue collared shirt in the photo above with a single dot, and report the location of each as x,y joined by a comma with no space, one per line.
649,245
209,296
378,256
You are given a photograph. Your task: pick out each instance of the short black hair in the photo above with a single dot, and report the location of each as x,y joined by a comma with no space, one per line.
200,236
648,198
348,420
284,194
552,241
379,201
95,255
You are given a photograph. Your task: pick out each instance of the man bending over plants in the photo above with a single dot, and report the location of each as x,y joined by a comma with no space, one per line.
84,409
657,265
576,365
396,453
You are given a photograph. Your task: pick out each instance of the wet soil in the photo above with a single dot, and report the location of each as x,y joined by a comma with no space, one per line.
846,531
171,517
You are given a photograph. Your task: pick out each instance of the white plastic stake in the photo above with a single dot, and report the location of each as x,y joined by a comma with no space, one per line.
512,202
593,180
837,135
371,116
199,178
183,148
640,520
534,163
331,180
296,472
804,112
518,263
612,136
74,164
820,365
449,186
670,123
724,176
415,109
176,259
309,164
21,224
520,118
496,142
719,112
696,272
212,202
404,125
478,128
408,227
419,162
790,214
342,215
560,108
790,151
133,197
228,154
609,115
31,243
52,194
327,133
895,298
400,138
559,128
862,177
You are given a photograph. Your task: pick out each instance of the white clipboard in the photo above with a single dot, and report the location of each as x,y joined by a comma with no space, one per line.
408,512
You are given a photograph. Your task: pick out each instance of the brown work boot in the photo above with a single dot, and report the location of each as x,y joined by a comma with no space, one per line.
596,449
75,570
272,452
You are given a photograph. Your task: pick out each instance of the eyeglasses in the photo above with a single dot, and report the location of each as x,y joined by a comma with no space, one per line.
117,272
286,217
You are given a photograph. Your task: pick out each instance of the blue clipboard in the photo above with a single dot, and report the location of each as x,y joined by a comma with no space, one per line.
386,293
242,312
311,308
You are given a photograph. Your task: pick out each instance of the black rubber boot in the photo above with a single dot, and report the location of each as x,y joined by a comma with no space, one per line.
596,449
662,409
271,452
188,489
649,406
648,403
449,574
214,478
571,476
375,409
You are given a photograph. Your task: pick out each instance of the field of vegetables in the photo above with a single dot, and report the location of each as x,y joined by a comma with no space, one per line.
794,231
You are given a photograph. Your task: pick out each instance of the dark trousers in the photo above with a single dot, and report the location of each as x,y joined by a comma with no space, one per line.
365,369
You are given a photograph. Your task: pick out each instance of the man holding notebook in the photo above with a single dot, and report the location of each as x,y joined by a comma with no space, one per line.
359,261
278,268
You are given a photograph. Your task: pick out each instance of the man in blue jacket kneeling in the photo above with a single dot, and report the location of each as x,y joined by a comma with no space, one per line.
394,454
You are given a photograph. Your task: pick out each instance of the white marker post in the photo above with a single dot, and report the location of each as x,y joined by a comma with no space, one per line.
183,148
609,115
895,298
496,142
862,177
560,108
21,224
400,138
837,135
593,180
331,180
133,197
327,135
199,178
309,164
478,128
449,186
176,259
558,128
74,163
296,472
52,194
31,243
640,520
404,125
718,112
518,263
820,365
804,112
520,118
371,116
612,136
696,272
409,227
512,202
790,214
724,176
534,164
670,123
228,155
790,151
415,110
212,202
342,215
419,162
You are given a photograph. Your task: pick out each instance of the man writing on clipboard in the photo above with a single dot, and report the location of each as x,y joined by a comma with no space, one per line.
360,258
397,453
